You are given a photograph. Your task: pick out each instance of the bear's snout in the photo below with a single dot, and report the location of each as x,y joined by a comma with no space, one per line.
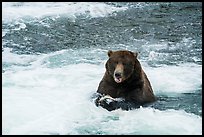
118,73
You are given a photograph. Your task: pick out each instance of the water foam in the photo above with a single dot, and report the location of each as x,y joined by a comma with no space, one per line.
56,100
19,10
183,78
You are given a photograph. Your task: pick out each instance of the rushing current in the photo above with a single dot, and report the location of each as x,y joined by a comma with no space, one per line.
54,54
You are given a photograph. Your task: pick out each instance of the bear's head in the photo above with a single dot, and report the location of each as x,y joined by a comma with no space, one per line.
121,64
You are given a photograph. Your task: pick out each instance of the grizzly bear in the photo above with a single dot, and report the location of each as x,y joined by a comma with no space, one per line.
124,79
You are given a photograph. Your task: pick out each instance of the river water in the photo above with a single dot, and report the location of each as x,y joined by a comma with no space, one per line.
53,57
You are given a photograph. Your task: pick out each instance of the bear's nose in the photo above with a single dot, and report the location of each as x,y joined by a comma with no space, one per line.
118,74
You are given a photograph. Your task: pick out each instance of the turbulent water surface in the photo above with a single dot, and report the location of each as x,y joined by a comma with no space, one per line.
53,57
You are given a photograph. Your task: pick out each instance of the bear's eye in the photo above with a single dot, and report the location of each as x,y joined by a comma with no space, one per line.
114,61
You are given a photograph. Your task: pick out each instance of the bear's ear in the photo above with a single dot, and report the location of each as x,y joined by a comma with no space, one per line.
110,52
135,54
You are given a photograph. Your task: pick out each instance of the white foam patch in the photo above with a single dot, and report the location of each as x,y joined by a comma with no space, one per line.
8,57
32,94
13,11
183,78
